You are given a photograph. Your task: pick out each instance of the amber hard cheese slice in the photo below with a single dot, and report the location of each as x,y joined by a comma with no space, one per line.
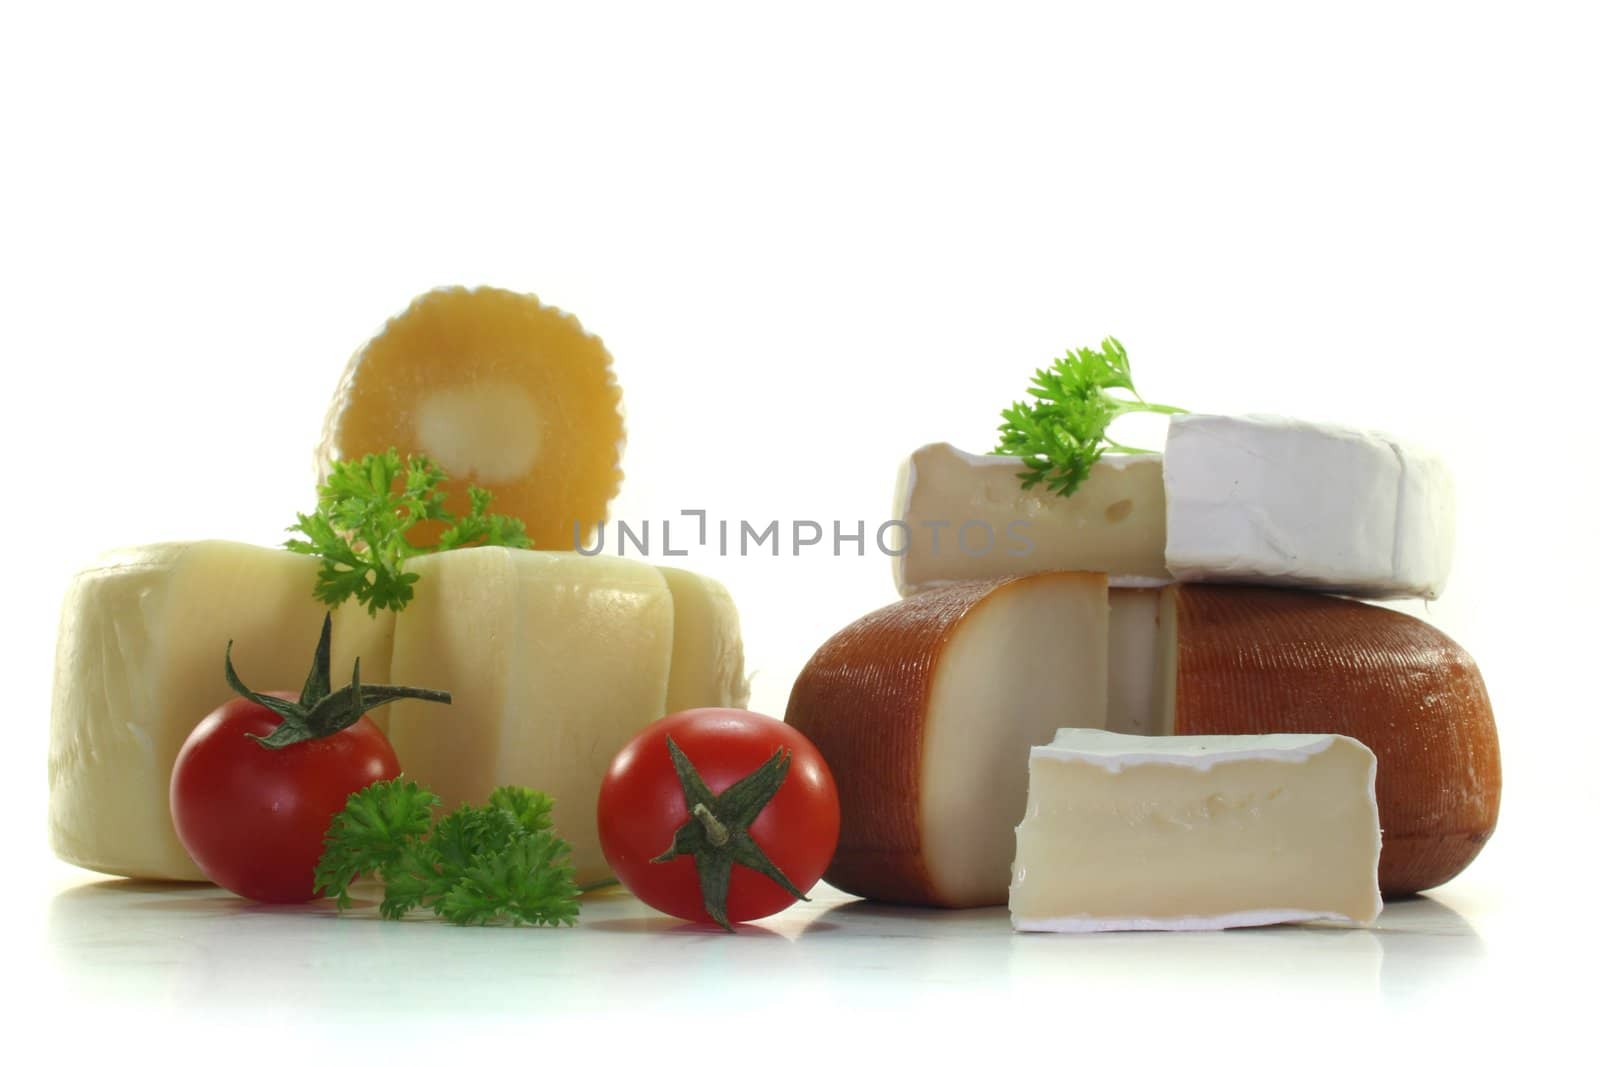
1196,833
925,711
503,392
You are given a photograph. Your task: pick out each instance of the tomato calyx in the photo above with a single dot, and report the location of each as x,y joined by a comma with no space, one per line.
717,834
321,709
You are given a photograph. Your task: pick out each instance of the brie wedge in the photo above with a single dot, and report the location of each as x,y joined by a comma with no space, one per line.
1196,833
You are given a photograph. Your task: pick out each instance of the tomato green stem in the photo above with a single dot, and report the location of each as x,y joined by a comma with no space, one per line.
322,710
715,831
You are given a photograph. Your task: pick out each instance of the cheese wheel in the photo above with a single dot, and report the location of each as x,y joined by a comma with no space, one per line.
925,712
554,660
919,709
1247,660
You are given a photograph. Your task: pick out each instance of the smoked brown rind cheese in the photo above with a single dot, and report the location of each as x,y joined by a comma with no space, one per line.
1254,660
925,712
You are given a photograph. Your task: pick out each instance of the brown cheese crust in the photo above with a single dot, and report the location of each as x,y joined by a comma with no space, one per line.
863,701
1255,660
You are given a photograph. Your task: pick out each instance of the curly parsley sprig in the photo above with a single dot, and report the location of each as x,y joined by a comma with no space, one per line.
364,510
496,863
1063,432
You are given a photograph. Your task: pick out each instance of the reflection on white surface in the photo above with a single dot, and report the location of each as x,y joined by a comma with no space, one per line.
166,954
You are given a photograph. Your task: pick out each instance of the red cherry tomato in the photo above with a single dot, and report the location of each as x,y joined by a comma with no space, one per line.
253,818
642,805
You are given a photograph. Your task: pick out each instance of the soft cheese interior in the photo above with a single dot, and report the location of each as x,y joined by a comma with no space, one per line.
1138,698
967,517
1196,833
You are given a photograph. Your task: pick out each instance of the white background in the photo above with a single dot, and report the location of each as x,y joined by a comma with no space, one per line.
815,238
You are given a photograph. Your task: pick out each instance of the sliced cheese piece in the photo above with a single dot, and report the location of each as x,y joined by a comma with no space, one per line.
1264,498
139,663
1196,833
554,661
1258,499
707,650
925,711
968,517
1248,660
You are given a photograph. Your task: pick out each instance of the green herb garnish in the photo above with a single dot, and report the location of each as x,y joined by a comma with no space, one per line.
500,862
1063,432
364,510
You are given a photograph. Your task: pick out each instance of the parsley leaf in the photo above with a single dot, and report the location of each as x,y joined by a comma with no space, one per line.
377,829
359,528
1061,434
527,882
499,862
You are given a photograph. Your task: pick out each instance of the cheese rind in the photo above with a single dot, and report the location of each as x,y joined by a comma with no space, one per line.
967,517
1275,500
139,663
1196,833
554,660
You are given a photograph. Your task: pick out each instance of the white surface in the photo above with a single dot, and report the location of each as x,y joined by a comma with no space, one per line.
814,240
1431,974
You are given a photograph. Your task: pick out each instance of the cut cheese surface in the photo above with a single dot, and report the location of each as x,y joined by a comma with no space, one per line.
707,648
554,661
925,711
1196,833
1264,498
1252,499
1136,687
968,517
139,663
